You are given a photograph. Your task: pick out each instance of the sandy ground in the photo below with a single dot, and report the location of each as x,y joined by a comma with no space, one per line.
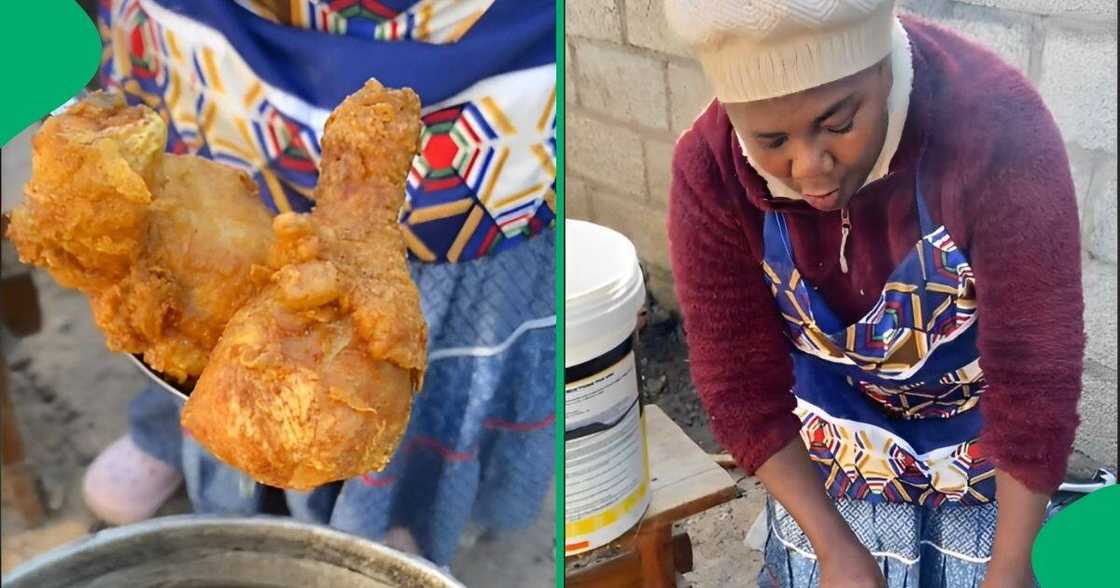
70,395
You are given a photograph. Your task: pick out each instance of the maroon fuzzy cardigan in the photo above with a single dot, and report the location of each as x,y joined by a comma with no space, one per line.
994,172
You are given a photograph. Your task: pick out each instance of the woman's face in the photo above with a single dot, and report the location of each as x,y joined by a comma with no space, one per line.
821,142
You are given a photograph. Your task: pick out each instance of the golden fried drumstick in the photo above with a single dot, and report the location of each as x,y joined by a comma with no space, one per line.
312,380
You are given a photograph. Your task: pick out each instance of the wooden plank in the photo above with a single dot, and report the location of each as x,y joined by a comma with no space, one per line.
655,551
685,481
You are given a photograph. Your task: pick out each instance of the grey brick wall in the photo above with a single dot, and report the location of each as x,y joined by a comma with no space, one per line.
632,89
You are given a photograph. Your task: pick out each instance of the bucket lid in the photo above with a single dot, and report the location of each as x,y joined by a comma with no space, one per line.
603,288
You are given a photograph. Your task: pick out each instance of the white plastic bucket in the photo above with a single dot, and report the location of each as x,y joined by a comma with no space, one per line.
606,465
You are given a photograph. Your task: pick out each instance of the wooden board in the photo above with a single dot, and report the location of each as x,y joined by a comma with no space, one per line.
685,481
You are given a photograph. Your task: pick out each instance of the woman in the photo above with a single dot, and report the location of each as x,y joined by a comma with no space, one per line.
251,84
875,245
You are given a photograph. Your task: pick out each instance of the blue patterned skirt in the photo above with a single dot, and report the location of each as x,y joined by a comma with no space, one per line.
916,547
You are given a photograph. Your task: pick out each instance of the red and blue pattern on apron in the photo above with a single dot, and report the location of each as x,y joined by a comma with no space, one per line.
888,403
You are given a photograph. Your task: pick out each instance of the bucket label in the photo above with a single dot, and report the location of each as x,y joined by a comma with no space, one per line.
606,486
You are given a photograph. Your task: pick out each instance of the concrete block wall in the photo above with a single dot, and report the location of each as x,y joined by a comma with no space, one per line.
632,89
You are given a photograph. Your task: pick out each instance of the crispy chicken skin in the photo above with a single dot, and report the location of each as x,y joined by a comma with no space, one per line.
313,378
166,247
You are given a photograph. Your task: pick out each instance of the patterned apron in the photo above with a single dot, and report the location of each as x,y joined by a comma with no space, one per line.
888,407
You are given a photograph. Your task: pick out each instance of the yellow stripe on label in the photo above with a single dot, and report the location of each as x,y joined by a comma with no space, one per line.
573,530
606,518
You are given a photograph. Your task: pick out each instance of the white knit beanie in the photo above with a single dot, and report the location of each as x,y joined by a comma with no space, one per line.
759,49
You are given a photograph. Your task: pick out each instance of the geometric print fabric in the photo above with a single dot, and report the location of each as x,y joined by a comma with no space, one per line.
926,305
484,180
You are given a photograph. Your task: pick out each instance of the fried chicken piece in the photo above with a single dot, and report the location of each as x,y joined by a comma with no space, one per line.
312,380
163,245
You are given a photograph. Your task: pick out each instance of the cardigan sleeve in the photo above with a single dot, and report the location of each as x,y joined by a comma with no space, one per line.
1025,252
739,357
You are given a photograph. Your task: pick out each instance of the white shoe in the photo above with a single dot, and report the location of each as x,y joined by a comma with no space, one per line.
401,539
124,485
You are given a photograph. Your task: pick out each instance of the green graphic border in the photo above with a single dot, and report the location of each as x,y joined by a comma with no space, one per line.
51,50
559,533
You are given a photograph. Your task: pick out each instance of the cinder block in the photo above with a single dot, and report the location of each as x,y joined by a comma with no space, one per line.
594,19
610,154
1096,436
659,170
646,27
571,97
577,198
644,225
1099,230
1101,9
1099,284
1081,166
689,94
625,83
1078,82
1008,35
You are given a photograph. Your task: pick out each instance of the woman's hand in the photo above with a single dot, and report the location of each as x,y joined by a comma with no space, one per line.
848,564
795,482
1021,511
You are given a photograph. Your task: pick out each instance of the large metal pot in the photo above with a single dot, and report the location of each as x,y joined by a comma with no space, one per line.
206,552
